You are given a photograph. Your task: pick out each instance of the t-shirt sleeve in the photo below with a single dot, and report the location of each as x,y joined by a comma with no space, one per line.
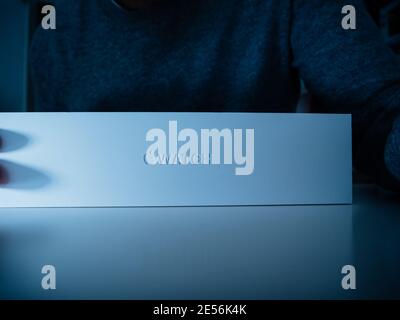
349,71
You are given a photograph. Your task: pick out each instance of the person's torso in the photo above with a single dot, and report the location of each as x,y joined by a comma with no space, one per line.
226,55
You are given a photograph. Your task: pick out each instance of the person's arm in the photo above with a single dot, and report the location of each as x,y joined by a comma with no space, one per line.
352,71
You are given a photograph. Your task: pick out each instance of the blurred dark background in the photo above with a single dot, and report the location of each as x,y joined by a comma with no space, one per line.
18,19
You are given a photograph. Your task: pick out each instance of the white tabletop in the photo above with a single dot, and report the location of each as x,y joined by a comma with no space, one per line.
204,252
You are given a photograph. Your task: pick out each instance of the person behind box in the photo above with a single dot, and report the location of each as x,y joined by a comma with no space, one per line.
226,55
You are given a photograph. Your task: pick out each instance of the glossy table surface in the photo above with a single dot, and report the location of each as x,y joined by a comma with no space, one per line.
276,252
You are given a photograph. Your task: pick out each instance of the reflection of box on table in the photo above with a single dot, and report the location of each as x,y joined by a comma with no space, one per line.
100,159
273,252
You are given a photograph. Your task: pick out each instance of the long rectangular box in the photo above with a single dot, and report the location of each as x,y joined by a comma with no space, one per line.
174,159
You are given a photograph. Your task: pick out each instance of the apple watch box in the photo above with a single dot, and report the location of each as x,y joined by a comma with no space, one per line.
174,159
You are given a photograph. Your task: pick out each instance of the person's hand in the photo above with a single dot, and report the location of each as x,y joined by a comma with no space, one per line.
392,151
2,172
